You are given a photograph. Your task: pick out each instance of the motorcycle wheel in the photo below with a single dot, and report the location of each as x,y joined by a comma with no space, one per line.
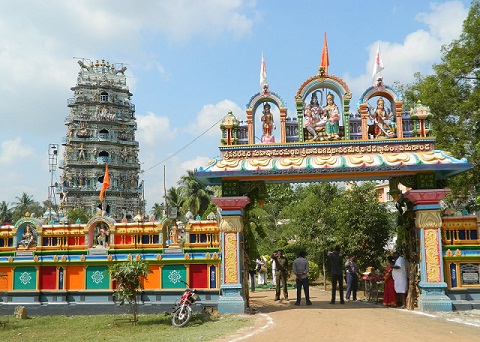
181,316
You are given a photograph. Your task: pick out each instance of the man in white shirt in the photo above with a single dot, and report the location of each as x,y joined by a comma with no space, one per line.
400,277
274,270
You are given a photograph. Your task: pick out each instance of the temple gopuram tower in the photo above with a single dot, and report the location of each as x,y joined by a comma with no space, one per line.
101,130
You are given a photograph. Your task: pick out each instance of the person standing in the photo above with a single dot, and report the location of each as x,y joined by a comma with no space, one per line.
274,271
281,274
261,269
400,278
336,265
351,269
300,269
389,294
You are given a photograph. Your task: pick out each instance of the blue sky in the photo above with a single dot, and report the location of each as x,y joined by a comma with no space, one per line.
189,63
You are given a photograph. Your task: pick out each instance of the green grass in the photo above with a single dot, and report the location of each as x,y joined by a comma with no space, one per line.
202,327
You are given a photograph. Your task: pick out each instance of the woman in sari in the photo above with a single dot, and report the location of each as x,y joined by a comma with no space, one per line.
389,294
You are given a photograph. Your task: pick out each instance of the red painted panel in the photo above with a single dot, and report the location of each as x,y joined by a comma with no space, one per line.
198,276
48,278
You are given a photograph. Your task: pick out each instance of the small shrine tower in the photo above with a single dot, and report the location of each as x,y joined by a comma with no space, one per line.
101,130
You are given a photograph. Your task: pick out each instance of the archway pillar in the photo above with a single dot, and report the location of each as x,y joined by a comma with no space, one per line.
283,126
428,222
250,132
232,298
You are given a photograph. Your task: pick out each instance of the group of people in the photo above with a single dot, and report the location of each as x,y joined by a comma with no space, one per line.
260,270
317,117
396,281
396,277
280,267
279,273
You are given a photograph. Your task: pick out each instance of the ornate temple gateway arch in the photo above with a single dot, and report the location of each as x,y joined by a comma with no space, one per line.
333,145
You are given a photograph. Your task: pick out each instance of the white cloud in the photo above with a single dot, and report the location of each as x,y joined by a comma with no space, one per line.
22,171
183,19
194,163
154,130
418,51
13,151
443,21
209,116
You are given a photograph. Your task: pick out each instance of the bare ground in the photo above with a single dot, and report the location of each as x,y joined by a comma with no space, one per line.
353,321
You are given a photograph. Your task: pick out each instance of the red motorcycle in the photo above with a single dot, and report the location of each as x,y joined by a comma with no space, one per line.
182,311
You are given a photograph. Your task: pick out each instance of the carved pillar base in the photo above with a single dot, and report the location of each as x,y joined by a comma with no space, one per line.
232,298
433,297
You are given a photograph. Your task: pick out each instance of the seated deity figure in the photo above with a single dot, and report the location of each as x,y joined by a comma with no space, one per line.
333,117
28,236
382,119
268,123
102,235
316,117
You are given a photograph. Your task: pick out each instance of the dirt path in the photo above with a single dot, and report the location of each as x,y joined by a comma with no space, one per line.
354,321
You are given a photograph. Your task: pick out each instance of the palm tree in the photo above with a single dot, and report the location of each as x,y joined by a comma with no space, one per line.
174,198
5,213
23,202
196,195
158,210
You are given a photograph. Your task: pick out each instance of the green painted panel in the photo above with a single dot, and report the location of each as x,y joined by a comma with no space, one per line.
25,278
98,278
171,276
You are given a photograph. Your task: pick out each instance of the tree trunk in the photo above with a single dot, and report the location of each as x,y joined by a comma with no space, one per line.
412,286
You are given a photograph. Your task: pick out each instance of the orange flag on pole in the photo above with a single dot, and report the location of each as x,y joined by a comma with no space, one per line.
105,184
325,62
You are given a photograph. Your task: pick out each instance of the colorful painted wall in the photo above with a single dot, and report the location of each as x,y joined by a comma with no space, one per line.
68,263
461,255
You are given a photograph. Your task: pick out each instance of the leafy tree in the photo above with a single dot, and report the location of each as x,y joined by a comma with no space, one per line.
5,212
267,220
196,196
158,210
78,213
128,277
174,198
311,224
24,204
311,218
453,95
212,208
363,226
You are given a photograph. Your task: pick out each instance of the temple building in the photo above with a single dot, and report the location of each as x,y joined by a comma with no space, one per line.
101,130
63,267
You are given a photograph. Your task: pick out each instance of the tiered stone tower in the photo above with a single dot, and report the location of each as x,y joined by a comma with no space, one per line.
101,130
